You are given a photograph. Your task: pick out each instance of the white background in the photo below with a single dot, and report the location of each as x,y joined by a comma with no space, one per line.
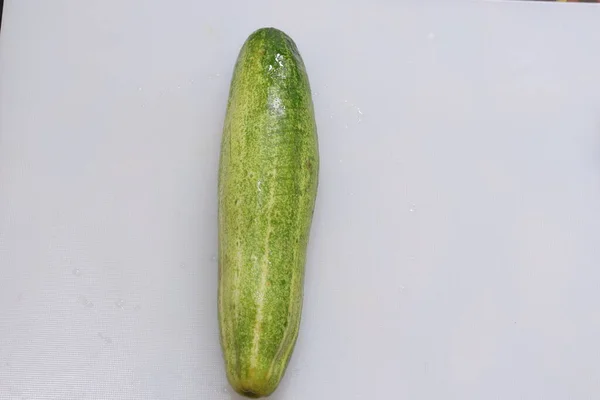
455,246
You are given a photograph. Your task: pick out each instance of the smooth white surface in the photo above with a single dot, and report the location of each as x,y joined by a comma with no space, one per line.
454,252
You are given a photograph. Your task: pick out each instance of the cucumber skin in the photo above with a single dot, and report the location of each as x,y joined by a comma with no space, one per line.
268,179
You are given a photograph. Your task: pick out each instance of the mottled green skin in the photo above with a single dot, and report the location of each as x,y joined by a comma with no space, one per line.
268,178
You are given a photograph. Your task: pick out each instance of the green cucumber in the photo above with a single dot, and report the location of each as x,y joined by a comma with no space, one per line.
268,178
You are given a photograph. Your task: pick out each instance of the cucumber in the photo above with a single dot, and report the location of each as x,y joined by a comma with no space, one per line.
267,187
